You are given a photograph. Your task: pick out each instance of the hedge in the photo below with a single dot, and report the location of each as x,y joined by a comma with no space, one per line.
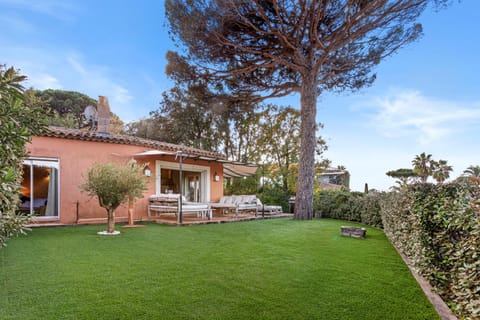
351,206
438,228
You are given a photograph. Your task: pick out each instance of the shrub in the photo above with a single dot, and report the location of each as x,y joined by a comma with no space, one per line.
438,228
370,212
275,196
20,118
351,206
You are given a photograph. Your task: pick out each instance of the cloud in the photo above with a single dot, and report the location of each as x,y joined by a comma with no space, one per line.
43,81
408,113
59,9
56,68
96,80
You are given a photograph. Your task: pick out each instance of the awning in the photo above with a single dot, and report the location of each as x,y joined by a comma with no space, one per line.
154,153
230,168
239,170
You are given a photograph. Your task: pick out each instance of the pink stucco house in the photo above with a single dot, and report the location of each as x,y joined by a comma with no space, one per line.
59,159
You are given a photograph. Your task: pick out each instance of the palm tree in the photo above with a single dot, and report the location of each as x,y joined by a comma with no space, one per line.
473,172
422,166
441,170
402,184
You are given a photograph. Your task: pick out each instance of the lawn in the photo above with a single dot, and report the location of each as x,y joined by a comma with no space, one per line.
270,269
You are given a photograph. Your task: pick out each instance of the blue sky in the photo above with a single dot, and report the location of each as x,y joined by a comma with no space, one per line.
426,97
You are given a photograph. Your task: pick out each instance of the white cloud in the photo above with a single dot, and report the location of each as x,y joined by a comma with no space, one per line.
96,80
408,113
59,9
43,81
57,68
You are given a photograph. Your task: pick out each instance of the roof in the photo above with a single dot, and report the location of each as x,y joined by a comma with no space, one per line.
231,168
76,134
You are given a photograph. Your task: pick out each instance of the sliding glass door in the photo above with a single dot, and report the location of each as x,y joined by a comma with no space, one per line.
40,187
195,184
193,187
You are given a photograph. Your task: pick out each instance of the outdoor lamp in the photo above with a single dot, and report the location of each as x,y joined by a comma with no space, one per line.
216,177
147,172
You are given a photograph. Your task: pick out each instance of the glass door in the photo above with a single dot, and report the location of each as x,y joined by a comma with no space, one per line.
192,185
39,195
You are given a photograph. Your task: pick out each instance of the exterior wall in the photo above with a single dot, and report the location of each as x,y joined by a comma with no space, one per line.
76,156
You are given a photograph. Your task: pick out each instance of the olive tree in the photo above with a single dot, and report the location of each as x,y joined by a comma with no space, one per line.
114,184
264,49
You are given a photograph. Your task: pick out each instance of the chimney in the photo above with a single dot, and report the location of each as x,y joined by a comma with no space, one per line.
103,109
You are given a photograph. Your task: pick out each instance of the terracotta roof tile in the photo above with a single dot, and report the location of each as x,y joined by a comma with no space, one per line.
76,134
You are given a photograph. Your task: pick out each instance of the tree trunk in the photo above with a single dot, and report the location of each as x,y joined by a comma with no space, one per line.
286,172
130,211
111,221
306,166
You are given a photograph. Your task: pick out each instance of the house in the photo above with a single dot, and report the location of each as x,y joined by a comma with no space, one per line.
59,159
334,179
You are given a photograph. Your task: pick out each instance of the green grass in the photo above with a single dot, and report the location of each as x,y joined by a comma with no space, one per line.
271,269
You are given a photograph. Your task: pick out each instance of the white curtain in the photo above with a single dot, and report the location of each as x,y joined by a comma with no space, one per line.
51,209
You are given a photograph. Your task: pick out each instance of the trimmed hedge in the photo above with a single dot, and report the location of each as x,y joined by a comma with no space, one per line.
438,228
351,206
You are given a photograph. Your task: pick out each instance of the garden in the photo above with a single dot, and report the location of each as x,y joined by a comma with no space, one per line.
436,226
270,269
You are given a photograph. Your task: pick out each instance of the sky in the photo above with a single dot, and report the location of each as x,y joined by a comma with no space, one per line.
426,97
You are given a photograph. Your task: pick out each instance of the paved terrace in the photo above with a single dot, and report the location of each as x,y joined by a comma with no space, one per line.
192,219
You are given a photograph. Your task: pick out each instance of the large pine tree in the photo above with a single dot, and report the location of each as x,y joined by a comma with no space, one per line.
274,48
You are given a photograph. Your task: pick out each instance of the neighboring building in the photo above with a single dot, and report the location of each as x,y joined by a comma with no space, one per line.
59,159
334,179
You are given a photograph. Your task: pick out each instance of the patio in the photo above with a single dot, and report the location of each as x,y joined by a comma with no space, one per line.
217,217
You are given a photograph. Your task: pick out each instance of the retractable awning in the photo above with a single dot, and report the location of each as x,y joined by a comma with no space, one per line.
239,170
230,168
154,153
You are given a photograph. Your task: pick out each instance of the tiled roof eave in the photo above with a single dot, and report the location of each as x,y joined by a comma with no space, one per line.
75,134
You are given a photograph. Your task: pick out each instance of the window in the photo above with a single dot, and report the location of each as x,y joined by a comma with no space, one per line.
195,180
40,187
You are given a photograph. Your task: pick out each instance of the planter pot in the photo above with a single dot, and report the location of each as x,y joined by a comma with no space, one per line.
105,233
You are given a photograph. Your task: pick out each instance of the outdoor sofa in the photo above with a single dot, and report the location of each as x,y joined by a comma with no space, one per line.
269,209
169,203
236,204
244,203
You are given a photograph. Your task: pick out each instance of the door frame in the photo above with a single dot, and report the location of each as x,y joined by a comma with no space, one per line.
30,161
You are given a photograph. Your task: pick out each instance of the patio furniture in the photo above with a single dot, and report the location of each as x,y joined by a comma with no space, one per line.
236,203
267,208
168,203
224,207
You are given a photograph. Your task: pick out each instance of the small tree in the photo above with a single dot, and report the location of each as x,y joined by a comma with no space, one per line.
473,173
441,171
114,184
423,165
